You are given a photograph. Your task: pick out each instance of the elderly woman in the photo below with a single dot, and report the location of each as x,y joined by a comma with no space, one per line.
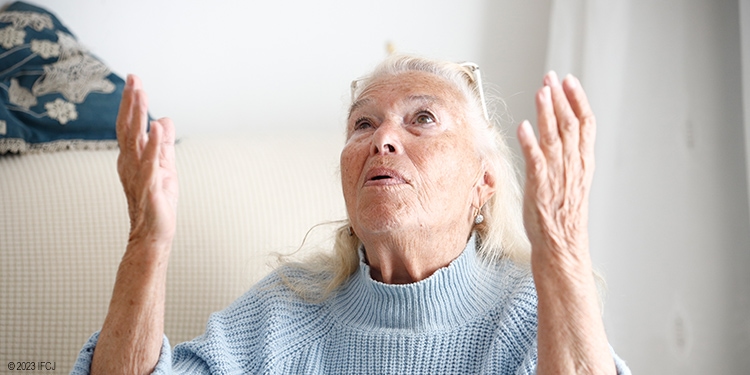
442,266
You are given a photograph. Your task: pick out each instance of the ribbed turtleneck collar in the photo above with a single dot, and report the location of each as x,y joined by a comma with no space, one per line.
450,297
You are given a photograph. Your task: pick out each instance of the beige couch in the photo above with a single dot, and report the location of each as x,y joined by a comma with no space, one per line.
64,225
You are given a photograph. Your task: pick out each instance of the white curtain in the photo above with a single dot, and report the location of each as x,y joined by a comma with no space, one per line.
745,37
670,226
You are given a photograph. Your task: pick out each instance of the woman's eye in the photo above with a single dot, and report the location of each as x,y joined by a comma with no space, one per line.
424,118
362,124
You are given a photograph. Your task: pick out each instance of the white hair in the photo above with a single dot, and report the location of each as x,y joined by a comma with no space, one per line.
500,236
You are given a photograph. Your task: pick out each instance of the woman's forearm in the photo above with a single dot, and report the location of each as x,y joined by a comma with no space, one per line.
571,336
131,338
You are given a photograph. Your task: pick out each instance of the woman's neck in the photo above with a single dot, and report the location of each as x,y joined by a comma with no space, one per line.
409,256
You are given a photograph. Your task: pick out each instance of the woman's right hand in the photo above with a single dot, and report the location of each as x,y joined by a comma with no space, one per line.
131,338
146,166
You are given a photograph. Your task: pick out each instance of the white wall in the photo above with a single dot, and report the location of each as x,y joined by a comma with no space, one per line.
513,55
228,65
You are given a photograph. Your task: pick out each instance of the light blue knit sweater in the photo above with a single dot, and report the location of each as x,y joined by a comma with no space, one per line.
467,318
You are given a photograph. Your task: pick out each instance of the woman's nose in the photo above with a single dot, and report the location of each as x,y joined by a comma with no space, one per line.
386,139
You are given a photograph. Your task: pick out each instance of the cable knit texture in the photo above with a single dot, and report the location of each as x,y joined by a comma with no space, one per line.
467,318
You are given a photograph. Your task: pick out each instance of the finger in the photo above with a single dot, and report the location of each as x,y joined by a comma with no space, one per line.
124,114
169,131
567,123
536,162
582,109
139,123
152,150
168,159
549,136
166,156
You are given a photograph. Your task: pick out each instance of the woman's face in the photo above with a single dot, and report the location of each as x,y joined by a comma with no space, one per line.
410,162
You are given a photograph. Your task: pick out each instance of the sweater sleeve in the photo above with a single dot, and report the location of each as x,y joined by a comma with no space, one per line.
229,345
187,358
83,363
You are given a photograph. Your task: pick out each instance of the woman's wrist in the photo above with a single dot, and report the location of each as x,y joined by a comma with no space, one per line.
567,258
147,252
567,272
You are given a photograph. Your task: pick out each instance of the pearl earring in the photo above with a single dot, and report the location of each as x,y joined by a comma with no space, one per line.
478,219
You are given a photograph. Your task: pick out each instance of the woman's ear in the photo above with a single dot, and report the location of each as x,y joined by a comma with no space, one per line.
485,189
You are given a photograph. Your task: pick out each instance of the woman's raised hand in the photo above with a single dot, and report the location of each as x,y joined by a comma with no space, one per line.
131,338
559,170
146,166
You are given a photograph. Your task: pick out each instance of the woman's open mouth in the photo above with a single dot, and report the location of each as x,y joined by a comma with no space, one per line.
383,176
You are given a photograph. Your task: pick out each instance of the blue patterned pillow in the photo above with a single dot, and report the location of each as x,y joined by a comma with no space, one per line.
53,93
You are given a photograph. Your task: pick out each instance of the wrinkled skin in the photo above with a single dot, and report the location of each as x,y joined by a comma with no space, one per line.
411,175
559,168
131,337
559,172
146,166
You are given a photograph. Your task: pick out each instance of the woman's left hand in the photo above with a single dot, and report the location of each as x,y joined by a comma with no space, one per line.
559,171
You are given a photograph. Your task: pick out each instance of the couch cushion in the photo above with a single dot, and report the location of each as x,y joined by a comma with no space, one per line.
54,94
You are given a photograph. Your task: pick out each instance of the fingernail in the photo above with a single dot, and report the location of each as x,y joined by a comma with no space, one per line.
551,78
571,81
526,128
546,94
129,80
154,127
